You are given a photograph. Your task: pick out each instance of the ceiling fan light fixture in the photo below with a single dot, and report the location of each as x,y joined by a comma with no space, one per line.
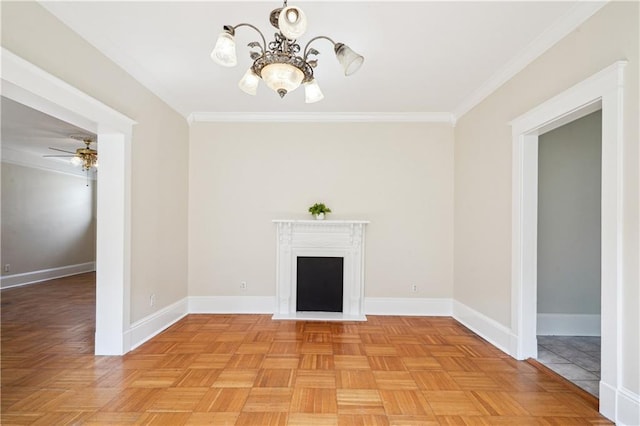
86,157
282,64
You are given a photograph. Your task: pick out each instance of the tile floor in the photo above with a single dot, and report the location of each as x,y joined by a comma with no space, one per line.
577,358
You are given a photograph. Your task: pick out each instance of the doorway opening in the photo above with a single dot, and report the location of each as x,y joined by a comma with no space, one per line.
568,252
48,221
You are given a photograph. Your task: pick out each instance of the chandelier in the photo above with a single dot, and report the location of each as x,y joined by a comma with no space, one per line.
282,64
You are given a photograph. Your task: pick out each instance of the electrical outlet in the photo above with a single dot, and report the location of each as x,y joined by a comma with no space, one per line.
243,285
414,288
152,299
7,267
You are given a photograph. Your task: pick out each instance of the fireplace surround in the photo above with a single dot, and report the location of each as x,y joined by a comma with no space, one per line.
320,238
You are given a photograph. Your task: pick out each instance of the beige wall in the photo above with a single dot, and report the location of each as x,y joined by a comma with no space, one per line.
398,176
47,219
483,168
159,148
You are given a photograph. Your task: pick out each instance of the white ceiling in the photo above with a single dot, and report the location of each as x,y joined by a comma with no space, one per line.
420,56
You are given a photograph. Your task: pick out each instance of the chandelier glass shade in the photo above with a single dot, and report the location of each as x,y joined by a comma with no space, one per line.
349,59
282,64
282,77
249,83
312,92
225,51
292,22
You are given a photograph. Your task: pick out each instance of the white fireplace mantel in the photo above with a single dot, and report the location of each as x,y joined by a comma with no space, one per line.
320,238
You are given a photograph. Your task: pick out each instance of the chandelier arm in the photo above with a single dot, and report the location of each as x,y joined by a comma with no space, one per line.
244,24
306,47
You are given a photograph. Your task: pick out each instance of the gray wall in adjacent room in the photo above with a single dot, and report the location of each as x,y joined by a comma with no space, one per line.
48,219
569,197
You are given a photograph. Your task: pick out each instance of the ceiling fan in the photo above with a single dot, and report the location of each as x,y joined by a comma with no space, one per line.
87,157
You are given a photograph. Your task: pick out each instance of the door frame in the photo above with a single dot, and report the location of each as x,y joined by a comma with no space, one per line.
603,90
29,85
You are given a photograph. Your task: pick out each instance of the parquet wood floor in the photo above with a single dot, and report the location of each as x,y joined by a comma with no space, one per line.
251,370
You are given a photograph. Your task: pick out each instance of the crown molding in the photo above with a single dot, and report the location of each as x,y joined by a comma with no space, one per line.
333,117
560,29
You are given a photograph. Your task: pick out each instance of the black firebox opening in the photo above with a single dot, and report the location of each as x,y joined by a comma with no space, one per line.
320,284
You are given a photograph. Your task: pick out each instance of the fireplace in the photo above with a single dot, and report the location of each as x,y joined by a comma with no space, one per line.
323,250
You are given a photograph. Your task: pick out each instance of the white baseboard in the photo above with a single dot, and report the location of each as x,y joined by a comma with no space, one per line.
628,404
407,306
266,305
619,405
568,325
16,280
607,397
148,327
232,304
489,329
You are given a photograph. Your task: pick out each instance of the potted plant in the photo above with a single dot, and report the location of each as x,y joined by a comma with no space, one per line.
318,210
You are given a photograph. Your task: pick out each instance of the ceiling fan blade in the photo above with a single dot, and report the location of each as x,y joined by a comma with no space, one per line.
59,156
62,150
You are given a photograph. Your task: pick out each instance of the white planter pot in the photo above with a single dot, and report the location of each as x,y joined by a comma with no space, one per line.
319,216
